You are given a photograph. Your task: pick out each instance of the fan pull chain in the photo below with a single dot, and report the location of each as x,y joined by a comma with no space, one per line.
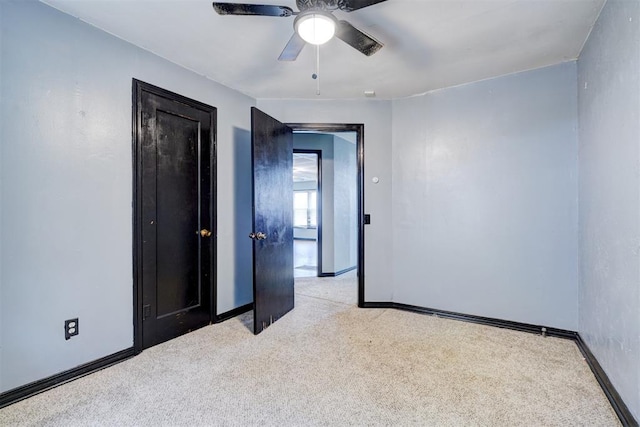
317,74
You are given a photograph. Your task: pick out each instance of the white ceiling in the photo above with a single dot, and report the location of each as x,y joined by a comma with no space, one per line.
429,44
305,167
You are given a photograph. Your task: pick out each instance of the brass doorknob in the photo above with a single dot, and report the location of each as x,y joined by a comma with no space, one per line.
205,233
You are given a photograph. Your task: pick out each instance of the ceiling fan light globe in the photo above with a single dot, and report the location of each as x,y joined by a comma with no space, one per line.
315,28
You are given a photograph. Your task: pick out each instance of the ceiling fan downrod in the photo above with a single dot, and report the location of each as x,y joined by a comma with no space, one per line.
317,73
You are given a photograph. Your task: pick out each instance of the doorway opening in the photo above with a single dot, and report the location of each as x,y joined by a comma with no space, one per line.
272,235
307,212
329,210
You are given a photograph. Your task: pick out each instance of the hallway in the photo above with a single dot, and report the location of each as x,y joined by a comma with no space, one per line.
305,258
341,289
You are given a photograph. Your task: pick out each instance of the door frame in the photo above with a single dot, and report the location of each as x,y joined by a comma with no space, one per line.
138,87
318,205
359,130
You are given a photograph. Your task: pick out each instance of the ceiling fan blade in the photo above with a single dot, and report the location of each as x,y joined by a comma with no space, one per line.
357,39
251,9
351,5
292,49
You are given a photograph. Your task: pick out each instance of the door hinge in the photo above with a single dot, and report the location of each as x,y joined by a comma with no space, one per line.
146,311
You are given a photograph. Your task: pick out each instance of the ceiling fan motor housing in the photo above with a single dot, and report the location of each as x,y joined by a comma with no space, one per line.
304,5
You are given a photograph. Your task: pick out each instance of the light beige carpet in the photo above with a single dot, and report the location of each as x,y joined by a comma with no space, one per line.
328,363
341,289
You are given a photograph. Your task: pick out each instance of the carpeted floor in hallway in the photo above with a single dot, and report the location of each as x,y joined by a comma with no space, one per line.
328,363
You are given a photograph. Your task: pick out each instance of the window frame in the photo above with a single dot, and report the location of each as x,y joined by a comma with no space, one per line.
309,209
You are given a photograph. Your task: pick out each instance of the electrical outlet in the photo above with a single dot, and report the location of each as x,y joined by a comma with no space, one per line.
70,328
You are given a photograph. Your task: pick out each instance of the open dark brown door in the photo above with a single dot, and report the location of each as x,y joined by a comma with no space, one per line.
273,293
175,213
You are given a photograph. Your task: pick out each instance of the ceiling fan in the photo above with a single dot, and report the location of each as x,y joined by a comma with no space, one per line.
314,23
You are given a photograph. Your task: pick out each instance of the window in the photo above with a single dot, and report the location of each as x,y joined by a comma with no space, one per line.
305,214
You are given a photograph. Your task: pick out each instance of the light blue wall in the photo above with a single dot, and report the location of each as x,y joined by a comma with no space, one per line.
376,117
345,204
235,198
1,97
484,198
609,116
66,195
